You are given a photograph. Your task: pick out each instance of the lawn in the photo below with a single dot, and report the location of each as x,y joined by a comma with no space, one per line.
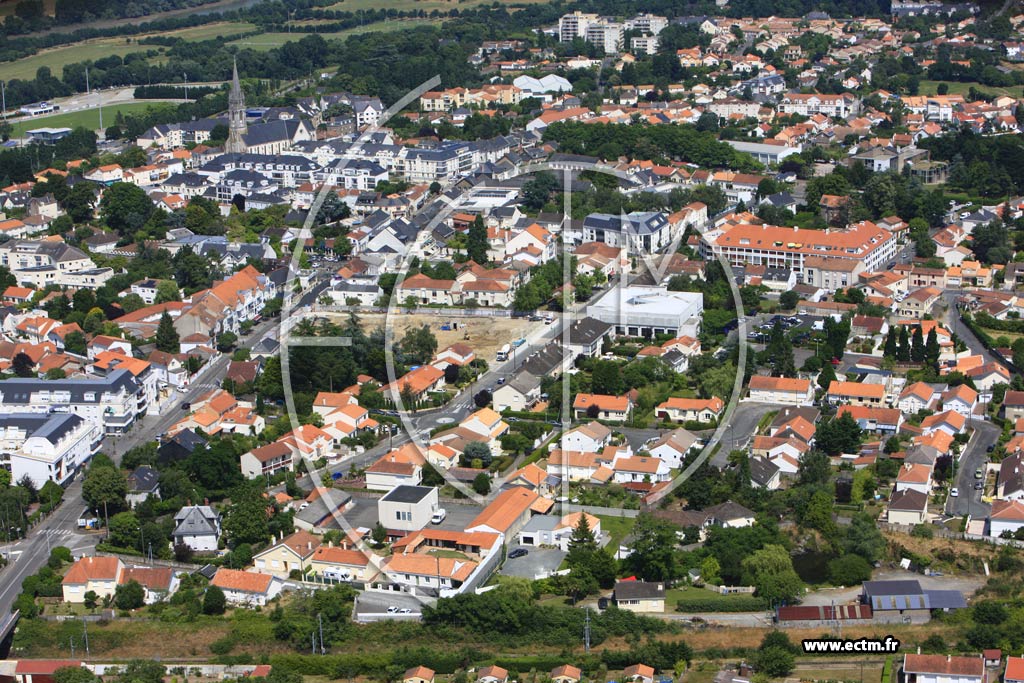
958,88
418,5
617,527
869,673
269,41
90,118
454,554
58,57
218,29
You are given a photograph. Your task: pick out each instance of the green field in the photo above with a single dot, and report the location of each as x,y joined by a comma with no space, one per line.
90,118
104,47
957,88
224,29
425,5
269,41
616,527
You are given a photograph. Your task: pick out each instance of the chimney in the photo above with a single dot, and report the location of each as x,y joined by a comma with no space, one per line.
918,649
309,545
949,658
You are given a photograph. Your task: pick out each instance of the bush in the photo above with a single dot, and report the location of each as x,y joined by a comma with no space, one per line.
723,603
849,570
922,531
214,602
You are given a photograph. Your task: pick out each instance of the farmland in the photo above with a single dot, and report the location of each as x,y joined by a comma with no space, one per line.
268,41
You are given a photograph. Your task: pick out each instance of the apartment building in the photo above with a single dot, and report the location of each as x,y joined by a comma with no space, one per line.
112,402
782,247
46,446
834,106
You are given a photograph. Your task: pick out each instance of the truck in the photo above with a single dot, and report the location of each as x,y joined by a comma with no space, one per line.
503,352
519,342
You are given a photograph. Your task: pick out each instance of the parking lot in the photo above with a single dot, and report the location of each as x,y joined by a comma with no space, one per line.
374,605
536,562
363,514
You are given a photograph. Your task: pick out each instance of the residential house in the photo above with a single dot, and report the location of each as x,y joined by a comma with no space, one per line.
789,391
691,409
99,575
247,589
198,527
290,554
943,668
614,408
644,597
908,506
1007,516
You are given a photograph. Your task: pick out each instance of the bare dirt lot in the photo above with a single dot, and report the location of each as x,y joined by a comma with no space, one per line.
484,335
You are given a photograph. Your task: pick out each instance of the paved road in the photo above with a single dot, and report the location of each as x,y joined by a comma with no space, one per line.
61,527
973,457
953,320
741,429
28,555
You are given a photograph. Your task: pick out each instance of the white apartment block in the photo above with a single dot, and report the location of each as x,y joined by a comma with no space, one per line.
46,446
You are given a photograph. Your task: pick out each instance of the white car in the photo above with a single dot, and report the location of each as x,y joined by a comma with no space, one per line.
405,610
392,610
438,516
954,492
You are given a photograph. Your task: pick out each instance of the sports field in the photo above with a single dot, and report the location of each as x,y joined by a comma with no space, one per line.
90,118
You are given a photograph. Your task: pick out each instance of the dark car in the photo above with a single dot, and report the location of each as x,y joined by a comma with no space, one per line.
518,552
186,405
602,603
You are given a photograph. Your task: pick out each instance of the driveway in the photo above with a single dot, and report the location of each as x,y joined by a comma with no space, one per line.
740,431
538,561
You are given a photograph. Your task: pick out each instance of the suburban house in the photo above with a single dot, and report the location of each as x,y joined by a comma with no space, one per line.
198,527
915,476
856,393
943,669
407,508
691,409
615,408
158,583
99,575
391,471
1006,516
291,553
908,506
567,673
142,483
247,589
509,512
331,563
640,596
785,390
418,674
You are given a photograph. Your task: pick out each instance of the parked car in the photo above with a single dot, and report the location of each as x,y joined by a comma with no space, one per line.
438,516
978,474
518,552
392,610
954,492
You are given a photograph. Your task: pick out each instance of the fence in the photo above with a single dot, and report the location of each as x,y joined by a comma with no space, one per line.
445,311
599,510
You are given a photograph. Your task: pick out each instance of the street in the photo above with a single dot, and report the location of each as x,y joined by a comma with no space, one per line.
974,456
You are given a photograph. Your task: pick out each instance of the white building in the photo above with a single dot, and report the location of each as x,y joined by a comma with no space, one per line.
646,311
48,446
407,508
198,527
112,402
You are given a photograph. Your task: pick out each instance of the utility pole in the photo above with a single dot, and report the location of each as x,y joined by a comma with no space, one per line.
3,96
85,635
87,91
312,639
186,85
320,621
586,631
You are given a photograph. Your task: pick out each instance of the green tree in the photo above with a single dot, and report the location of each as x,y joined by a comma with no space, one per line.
104,487
419,345
774,662
710,571
142,671
167,339
124,530
770,571
891,344
476,241
246,518
652,554
226,341
932,349
917,345
826,376
130,595
125,207
789,300
482,484
849,570
214,601
74,674
80,202
167,290
903,353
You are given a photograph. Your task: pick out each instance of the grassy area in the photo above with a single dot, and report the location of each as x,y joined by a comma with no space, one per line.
58,57
995,334
90,118
218,29
871,673
454,554
424,5
958,88
269,41
617,527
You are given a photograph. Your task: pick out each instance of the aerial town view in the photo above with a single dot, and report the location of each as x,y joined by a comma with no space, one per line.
536,341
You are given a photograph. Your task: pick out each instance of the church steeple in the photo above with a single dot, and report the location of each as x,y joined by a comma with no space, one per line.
236,115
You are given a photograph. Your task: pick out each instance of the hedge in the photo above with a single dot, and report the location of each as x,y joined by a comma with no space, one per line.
724,603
